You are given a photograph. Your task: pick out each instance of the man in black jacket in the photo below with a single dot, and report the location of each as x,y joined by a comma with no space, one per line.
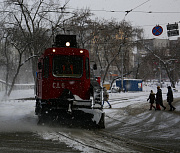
170,98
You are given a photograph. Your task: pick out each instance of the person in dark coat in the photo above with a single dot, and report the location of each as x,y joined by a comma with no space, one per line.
152,99
159,99
106,97
170,98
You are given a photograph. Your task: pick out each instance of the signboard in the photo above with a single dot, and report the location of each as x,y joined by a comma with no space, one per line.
172,29
173,33
157,30
172,26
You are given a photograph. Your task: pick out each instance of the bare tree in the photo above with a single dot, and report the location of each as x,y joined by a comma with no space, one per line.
6,56
162,59
80,25
112,40
34,20
37,21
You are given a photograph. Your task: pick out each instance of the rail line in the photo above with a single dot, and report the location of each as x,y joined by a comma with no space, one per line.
138,125
117,140
130,142
84,144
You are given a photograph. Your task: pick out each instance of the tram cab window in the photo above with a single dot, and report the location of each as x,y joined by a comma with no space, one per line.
46,67
67,66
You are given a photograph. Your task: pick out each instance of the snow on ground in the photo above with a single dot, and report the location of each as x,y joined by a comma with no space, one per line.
14,111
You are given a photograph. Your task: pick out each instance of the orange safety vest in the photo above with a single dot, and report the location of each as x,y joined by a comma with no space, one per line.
71,67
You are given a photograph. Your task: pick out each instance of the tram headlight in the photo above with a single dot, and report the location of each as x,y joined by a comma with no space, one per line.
81,51
67,44
54,50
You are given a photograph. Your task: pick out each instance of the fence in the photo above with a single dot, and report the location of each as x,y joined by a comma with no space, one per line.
16,86
2,85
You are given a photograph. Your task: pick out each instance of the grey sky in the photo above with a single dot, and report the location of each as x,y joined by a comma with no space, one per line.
139,16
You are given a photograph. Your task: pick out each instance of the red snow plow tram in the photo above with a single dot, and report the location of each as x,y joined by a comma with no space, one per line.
64,90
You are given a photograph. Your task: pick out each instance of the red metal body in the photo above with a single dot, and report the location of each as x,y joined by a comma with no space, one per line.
51,85
64,87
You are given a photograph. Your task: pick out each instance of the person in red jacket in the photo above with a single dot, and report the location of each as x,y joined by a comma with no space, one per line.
159,99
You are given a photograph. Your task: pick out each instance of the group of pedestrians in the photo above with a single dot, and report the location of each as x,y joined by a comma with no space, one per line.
152,99
159,100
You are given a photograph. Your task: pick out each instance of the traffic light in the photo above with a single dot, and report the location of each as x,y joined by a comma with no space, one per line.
173,29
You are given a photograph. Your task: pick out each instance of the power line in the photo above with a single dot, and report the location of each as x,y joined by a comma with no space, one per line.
140,5
151,12
128,11
121,11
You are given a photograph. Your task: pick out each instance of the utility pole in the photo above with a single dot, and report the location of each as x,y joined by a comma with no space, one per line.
160,73
122,70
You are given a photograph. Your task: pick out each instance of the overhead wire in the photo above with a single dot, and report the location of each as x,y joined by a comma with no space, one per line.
128,11
120,11
141,4
132,11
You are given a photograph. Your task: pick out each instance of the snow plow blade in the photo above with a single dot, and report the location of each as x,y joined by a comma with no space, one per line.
86,118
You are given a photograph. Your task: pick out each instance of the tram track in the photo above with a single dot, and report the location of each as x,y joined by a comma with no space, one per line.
135,145
123,135
98,139
140,146
84,144
95,141
114,101
137,128
123,144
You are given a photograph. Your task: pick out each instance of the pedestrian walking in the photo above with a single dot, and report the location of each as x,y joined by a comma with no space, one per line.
152,99
106,97
170,98
159,99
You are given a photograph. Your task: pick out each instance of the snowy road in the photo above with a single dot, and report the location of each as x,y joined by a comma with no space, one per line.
130,127
158,130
